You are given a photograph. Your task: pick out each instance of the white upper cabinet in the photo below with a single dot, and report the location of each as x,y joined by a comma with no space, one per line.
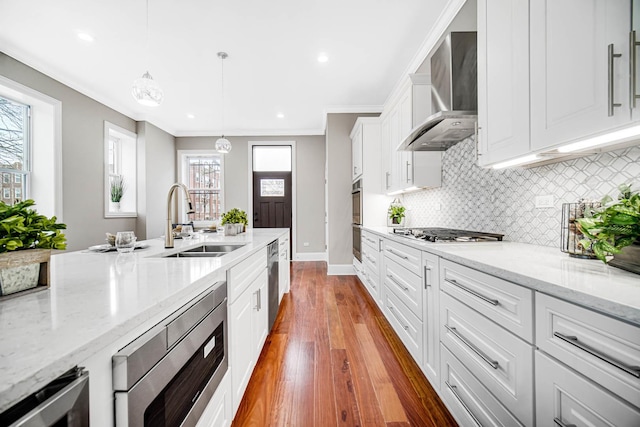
579,69
356,154
402,170
503,80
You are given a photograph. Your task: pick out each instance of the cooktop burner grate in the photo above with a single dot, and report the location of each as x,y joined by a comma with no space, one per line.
434,234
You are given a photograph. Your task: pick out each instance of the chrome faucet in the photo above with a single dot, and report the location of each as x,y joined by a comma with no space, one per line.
168,235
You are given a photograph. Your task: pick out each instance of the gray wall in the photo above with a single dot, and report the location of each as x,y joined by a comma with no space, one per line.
310,160
82,155
156,173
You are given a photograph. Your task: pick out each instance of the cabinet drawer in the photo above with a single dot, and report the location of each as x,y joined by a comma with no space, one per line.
467,399
406,324
405,285
371,240
404,255
371,259
565,398
604,349
509,305
372,283
240,276
499,359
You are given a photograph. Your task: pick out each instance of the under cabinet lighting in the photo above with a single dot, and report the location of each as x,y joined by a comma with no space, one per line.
516,162
617,136
394,193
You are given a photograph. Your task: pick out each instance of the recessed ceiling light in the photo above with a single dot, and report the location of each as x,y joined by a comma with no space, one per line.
280,116
86,37
191,116
323,57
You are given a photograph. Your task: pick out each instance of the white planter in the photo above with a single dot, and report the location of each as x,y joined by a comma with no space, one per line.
114,206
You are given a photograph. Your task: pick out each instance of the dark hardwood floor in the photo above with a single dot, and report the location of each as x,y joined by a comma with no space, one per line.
332,359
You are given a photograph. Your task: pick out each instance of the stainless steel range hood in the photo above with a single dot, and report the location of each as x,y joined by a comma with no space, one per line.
454,96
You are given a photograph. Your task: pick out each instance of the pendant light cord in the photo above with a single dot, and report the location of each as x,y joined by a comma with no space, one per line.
147,35
222,83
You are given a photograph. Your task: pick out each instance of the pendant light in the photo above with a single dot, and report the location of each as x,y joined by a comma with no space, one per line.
223,145
145,90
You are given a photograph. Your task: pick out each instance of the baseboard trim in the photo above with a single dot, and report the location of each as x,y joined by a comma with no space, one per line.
311,256
340,270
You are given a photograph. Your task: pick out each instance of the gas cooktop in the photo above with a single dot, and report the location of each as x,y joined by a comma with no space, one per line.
447,235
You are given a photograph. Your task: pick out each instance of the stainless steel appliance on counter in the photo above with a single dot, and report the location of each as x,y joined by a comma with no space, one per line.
167,376
434,234
62,402
356,210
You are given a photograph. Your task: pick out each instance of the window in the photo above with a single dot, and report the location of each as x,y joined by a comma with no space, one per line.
202,173
14,147
6,193
119,172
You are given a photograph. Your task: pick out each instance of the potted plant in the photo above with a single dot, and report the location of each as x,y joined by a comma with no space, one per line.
117,189
26,240
396,213
614,229
235,221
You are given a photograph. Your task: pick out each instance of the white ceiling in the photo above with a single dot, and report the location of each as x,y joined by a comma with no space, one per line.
272,65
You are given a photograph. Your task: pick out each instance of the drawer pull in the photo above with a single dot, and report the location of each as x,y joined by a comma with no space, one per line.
406,328
464,405
393,279
559,422
397,254
474,293
493,363
427,273
573,340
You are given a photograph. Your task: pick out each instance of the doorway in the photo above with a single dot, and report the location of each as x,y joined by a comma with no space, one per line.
272,179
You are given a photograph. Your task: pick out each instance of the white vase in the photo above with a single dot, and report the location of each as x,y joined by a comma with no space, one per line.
114,206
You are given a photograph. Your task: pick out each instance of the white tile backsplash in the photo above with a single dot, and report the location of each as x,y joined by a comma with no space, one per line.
503,201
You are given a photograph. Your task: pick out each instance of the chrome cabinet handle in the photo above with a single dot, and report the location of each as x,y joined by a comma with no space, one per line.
406,328
397,254
633,68
477,140
386,179
559,422
472,292
573,340
427,274
393,279
611,85
408,179
464,405
259,299
493,363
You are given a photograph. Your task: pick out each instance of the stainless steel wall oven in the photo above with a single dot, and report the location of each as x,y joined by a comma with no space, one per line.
356,210
167,376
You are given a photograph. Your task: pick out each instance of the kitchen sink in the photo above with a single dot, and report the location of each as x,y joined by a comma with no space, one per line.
206,250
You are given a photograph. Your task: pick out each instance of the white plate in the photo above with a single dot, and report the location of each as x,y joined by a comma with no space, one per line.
108,248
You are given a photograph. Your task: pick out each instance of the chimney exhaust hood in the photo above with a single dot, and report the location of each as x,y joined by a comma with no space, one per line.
454,96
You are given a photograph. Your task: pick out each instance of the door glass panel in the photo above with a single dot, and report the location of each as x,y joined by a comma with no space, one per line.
272,188
272,158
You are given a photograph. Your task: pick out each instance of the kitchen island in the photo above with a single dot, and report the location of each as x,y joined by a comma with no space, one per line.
98,302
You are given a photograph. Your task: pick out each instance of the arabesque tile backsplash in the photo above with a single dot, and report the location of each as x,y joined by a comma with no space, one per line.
503,201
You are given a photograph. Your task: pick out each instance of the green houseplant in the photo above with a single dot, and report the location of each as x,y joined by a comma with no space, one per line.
232,217
116,189
614,226
26,240
396,212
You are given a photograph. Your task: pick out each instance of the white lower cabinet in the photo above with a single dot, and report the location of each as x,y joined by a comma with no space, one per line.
431,318
248,325
565,398
468,400
284,262
499,359
218,412
405,323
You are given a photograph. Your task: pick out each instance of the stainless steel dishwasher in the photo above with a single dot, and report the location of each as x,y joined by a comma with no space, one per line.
167,376
272,267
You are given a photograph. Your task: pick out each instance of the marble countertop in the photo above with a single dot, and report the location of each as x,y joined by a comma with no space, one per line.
589,283
96,298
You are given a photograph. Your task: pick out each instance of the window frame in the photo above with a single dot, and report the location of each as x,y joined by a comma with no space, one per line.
128,169
183,170
10,176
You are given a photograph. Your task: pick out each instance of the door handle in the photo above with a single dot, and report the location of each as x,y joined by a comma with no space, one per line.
255,216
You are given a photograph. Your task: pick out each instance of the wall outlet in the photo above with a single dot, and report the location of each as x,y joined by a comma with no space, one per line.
305,244
544,201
